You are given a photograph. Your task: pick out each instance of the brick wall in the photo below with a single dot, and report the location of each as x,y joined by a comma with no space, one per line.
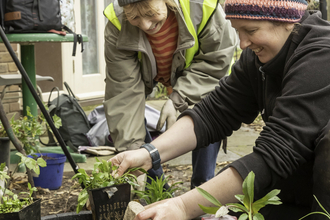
7,66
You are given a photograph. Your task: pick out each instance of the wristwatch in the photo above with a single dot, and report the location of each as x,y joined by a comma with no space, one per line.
154,154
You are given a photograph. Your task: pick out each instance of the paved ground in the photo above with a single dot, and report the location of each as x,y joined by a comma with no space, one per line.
239,144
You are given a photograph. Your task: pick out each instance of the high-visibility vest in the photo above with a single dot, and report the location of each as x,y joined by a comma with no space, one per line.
193,20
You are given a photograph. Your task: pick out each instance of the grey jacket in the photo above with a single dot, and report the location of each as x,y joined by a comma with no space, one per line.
129,80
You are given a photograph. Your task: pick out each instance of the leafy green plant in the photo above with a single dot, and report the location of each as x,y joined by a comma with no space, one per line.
12,203
155,190
3,173
28,128
321,213
103,175
249,208
32,163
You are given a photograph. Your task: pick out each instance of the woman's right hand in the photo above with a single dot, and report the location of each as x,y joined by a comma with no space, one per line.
130,159
168,209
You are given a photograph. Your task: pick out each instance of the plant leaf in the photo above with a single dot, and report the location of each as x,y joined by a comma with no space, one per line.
236,207
270,198
41,162
209,210
240,198
82,199
208,196
258,216
244,216
248,190
327,213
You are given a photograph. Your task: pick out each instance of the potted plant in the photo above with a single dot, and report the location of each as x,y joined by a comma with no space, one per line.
108,195
15,207
27,129
155,191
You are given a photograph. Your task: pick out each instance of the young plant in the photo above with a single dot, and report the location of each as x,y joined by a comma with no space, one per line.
3,173
155,190
103,175
321,213
12,203
28,128
249,208
31,163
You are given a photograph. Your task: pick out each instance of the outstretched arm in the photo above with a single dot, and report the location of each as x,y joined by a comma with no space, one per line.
223,187
178,140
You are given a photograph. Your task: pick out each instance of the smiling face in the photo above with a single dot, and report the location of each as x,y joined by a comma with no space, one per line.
264,38
148,15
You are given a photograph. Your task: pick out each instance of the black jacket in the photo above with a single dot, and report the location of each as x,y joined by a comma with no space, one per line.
292,91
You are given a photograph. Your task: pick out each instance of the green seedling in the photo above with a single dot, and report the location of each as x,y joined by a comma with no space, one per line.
102,176
12,203
249,208
155,190
321,213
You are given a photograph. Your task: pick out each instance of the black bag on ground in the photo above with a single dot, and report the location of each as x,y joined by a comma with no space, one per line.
32,16
75,124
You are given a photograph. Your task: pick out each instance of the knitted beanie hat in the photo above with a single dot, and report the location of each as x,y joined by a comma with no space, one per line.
272,10
126,2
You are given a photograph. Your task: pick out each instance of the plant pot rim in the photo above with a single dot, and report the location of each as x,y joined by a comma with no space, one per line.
108,187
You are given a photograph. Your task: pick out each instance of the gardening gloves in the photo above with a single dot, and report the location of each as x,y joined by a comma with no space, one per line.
168,114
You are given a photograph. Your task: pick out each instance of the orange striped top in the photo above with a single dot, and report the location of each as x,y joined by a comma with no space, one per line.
163,44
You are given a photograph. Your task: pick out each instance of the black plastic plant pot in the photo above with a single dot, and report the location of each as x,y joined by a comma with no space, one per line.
110,202
5,150
29,212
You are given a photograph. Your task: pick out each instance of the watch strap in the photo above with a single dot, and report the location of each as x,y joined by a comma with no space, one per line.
154,154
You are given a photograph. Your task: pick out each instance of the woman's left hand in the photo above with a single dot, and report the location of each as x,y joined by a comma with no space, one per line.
168,209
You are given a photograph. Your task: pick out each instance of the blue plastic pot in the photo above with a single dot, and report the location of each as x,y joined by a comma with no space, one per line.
51,176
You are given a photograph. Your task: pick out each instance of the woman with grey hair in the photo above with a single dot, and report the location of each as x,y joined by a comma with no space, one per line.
185,45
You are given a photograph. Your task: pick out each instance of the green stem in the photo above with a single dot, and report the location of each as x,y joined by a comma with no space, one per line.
250,216
321,213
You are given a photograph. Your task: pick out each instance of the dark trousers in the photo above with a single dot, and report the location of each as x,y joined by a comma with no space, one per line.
204,163
312,178
153,173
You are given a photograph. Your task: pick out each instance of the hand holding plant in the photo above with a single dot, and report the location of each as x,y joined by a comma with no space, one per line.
102,176
249,208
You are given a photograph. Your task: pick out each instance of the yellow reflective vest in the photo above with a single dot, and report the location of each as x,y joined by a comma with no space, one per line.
195,21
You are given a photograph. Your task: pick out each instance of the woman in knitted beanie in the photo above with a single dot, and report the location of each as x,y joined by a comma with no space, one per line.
283,74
